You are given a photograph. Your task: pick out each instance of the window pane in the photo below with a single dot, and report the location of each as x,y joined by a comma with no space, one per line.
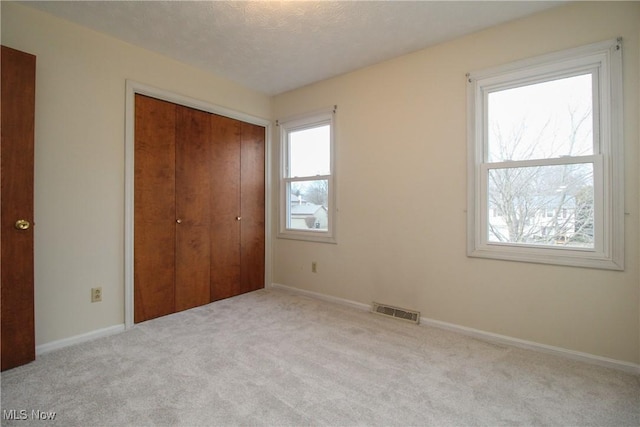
542,205
309,152
543,120
308,205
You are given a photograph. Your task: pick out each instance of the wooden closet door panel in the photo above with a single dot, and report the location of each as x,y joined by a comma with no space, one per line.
225,207
153,271
252,202
154,208
18,115
193,248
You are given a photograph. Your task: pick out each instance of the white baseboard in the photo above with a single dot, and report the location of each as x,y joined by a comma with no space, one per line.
324,297
531,345
77,339
486,336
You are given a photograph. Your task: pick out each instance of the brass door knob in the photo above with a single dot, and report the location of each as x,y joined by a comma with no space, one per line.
179,221
22,224
238,218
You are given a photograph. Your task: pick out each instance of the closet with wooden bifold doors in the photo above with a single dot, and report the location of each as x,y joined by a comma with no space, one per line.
199,207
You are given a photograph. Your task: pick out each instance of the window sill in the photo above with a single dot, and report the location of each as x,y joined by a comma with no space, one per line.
563,257
307,236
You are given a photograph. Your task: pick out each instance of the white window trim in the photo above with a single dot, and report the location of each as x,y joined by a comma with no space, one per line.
326,116
606,59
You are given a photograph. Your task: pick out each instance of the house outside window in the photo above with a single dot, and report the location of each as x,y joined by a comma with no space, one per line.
545,150
307,182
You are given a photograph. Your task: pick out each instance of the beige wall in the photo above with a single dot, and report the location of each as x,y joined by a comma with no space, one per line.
79,187
401,147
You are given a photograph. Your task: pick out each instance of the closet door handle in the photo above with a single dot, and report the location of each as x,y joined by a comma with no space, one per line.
179,221
238,218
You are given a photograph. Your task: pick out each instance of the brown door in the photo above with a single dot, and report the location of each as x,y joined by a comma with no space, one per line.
18,113
155,208
237,227
225,207
193,138
252,208
199,208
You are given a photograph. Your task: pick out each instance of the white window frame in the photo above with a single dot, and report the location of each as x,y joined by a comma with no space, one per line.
604,61
324,117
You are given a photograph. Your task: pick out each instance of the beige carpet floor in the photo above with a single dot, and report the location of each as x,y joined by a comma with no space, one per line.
274,358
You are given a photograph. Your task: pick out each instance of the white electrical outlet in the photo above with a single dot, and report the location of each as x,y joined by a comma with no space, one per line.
96,294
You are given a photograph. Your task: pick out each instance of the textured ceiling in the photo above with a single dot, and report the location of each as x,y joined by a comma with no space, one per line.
275,46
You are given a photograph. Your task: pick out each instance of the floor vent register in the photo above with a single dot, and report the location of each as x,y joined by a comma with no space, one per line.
396,312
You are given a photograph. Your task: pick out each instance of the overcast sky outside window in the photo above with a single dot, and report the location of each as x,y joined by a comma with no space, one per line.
310,152
541,115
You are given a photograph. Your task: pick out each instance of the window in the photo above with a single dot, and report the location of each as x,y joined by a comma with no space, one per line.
545,159
307,202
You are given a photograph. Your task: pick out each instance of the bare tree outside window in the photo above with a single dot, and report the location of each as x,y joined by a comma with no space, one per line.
315,192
